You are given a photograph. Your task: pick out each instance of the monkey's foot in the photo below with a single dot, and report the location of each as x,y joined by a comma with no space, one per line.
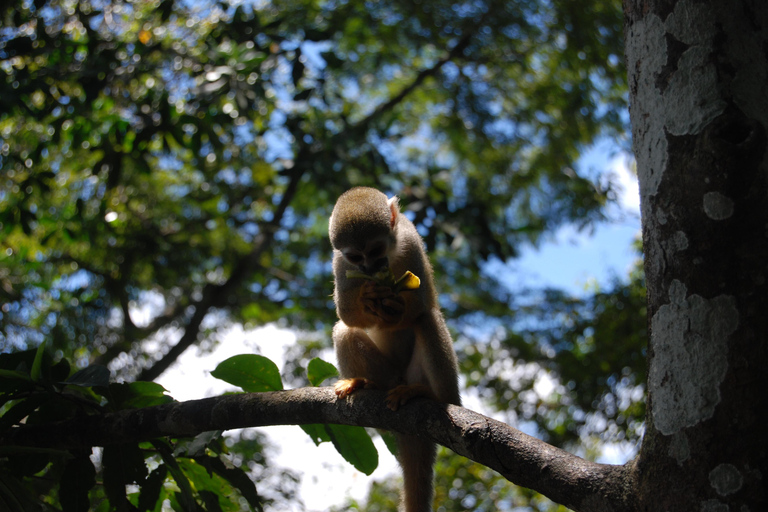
400,395
346,387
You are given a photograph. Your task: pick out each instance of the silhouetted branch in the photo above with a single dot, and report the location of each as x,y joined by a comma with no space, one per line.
415,84
522,459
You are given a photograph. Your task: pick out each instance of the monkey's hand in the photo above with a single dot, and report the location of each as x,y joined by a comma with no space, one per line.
346,387
382,301
400,395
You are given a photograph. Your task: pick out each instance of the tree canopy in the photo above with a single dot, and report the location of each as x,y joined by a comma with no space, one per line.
168,169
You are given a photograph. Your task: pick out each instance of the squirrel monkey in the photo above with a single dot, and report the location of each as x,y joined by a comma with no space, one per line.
388,338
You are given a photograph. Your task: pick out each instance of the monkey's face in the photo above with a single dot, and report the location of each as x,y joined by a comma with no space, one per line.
371,257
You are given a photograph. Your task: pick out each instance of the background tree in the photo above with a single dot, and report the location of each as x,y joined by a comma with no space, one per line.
182,160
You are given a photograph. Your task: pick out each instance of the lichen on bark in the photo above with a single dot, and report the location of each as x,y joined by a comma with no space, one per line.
690,339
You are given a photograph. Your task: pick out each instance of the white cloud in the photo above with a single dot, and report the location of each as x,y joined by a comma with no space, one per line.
629,196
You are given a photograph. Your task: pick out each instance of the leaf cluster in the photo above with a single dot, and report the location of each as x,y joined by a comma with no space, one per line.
191,156
36,390
203,473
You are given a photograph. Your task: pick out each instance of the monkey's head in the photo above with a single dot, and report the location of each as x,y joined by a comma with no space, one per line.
363,228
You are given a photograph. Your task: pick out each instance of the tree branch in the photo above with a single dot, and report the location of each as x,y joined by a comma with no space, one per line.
522,459
363,124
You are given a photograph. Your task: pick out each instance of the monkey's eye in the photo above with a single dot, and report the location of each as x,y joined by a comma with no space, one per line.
376,252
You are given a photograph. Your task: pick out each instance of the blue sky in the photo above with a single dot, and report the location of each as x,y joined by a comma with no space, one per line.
573,260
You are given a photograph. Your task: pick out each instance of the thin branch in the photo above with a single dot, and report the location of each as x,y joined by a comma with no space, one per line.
129,328
158,323
524,460
363,125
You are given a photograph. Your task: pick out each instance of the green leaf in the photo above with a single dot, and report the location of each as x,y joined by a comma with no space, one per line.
235,476
94,375
198,445
134,395
14,495
12,381
78,479
319,370
123,464
150,489
355,445
316,432
211,501
185,496
22,409
210,487
37,364
251,372
390,440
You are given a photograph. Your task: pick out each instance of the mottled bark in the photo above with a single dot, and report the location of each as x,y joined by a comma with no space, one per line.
698,75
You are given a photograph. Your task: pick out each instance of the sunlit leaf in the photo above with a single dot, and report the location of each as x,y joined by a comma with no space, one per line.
251,372
319,370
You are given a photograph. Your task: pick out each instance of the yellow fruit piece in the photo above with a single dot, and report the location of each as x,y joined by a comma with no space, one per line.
408,281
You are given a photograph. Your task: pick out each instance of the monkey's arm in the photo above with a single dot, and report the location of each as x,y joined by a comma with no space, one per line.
347,297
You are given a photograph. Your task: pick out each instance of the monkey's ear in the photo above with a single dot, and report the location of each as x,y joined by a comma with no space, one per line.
394,210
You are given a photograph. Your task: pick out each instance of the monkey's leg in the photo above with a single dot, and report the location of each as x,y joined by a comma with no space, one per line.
416,456
402,394
361,363
346,387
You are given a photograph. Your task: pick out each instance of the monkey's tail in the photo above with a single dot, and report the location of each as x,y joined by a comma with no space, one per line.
416,456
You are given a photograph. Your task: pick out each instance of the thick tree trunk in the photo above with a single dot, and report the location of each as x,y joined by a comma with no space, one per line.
698,75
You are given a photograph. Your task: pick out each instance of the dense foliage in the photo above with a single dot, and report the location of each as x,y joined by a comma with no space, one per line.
168,169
